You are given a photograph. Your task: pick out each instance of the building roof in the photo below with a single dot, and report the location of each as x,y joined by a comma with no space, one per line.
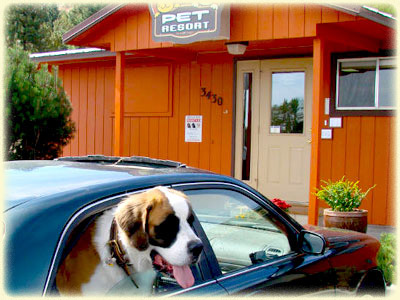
364,11
70,53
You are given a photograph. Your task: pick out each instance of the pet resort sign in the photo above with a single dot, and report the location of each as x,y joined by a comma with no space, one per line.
188,23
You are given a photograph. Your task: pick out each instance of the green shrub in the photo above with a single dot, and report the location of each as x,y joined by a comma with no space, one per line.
37,110
386,257
342,195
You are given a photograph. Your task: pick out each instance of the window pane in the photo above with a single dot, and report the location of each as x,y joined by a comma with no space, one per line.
240,232
357,84
287,107
387,93
247,92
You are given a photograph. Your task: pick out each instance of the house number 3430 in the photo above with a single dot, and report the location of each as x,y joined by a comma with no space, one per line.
212,97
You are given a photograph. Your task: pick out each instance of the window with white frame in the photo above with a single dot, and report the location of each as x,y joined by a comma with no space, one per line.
366,83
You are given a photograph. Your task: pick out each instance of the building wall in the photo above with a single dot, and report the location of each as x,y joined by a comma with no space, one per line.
91,90
364,149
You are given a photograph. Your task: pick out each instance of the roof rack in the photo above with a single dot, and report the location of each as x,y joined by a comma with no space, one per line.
132,160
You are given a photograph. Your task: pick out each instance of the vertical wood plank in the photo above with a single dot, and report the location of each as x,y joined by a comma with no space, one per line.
250,22
153,137
313,16
66,81
325,165
345,17
108,108
163,136
381,164
194,109
144,136
75,112
227,115
281,21
173,123
205,109
265,19
127,134
216,116
319,61
91,117
236,22
184,94
143,30
120,35
99,111
135,136
367,154
152,43
131,32
391,182
296,20
339,151
83,102
352,163
119,105
329,15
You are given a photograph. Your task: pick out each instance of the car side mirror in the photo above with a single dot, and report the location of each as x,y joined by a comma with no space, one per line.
311,243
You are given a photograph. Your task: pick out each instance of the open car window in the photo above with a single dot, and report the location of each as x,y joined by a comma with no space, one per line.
162,284
240,231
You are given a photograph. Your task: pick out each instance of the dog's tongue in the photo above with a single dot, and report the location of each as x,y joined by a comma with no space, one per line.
183,276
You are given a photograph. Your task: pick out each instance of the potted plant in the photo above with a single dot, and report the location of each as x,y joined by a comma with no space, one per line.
344,198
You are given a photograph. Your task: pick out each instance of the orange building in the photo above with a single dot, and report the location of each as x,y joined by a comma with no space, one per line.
280,96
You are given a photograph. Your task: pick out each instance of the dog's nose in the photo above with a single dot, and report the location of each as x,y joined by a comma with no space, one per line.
195,248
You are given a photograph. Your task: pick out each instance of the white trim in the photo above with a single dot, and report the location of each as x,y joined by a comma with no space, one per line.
377,60
65,52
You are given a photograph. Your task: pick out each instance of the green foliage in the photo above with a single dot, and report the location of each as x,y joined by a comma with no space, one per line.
342,195
385,7
39,28
37,110
29,25
386,257
288,115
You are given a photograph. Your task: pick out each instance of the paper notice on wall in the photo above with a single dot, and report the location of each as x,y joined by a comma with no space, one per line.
193,129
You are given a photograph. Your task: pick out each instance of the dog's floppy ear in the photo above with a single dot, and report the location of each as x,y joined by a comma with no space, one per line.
132,217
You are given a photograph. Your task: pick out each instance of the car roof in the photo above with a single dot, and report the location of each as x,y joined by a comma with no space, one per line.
27,181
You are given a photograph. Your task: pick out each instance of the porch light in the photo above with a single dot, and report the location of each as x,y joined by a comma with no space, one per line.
237,48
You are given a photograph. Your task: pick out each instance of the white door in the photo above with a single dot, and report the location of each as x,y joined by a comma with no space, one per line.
273,126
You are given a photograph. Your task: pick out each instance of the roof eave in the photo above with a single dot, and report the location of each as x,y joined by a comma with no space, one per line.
361,11
91,21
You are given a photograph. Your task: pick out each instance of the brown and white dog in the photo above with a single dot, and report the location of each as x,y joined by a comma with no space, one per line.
153,230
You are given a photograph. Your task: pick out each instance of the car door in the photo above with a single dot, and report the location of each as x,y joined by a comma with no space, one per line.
205,283
254,245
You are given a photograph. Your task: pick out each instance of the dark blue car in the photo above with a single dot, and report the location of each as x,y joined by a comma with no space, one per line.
251,247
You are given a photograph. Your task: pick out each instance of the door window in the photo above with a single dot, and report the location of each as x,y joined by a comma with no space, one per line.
287,102
240,231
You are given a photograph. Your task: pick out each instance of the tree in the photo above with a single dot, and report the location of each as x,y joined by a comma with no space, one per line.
39,28
29,25
38,111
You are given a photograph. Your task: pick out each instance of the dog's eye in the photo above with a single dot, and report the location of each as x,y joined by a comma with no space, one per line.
190,219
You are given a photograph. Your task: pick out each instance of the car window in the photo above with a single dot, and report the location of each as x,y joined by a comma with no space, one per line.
163,282
240,231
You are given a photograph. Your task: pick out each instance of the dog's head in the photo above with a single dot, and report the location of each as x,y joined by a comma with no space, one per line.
160,220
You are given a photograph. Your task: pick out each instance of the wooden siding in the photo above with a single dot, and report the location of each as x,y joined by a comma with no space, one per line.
364,149
91,90
130,29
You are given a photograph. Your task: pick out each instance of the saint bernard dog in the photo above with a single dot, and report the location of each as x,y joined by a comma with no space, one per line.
146,231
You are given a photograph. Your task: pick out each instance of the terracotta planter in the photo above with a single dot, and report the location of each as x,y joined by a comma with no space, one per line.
353,220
